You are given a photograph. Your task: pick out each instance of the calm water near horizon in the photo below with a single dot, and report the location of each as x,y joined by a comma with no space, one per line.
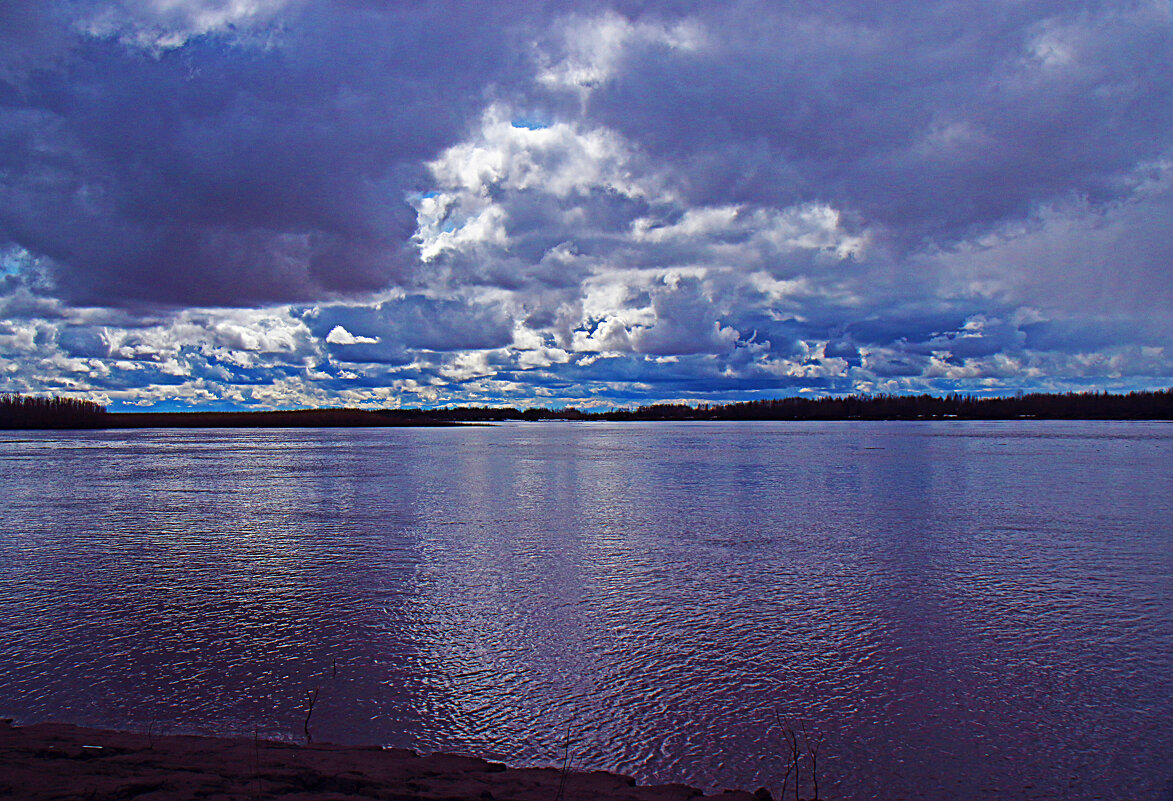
962,610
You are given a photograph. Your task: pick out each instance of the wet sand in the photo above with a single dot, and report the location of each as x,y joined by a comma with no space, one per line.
59,761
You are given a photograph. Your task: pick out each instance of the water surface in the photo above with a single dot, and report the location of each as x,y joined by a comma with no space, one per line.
960,610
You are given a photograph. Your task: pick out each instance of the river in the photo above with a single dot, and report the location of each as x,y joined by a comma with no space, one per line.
960,610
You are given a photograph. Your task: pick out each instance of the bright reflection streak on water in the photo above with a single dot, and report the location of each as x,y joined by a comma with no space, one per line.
964,610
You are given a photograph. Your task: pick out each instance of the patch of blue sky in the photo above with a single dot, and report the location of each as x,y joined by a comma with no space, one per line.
181,405
531,122
415,197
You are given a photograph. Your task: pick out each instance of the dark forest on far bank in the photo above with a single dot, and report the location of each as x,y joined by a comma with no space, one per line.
27,412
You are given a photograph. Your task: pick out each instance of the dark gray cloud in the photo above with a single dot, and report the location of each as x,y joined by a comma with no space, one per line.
231,172
936,119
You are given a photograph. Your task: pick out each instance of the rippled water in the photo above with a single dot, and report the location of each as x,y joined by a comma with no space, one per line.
962,610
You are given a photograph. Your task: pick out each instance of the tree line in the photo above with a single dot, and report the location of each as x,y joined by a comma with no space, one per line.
1147,405
21,411
26,411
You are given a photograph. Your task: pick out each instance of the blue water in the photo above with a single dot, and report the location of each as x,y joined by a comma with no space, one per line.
957,610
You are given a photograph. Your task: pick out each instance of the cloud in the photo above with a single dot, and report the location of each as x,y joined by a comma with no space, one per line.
391,330
266,202
227,173
591,49
968,127
340,336
1109,260
159,25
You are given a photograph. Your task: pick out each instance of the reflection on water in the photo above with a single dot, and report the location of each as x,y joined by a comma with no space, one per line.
964,610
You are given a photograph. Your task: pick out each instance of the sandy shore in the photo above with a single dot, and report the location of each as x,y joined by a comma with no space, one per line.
59,761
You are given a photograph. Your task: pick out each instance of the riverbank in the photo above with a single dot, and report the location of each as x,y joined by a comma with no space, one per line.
59,761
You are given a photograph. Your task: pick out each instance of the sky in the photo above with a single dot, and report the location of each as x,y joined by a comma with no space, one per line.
289,203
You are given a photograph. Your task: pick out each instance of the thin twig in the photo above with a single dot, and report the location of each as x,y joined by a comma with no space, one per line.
792,766
312,695
791,739
813,749
565,766
795,754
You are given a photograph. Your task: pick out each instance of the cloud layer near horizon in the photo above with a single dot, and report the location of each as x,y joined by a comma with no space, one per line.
286,202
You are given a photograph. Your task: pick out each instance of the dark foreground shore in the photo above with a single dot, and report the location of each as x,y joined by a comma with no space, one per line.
62,762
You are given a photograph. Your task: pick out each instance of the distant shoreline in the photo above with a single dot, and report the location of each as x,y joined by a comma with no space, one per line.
56,760
24,412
